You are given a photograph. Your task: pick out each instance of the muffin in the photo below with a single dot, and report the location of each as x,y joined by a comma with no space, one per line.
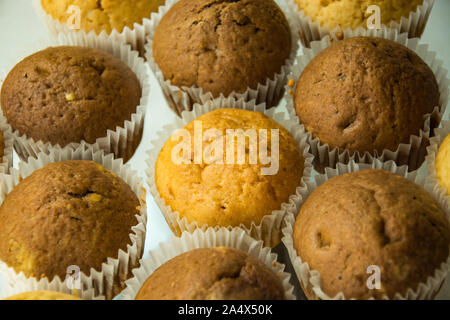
70,213
69,94
222,47
443,164
365,94
371,218
42,295
105,15
212,274
222,194
352,13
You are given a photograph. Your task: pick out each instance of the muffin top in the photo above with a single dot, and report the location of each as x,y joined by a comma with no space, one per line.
69,94
66,213
212,274
43,295
104,15
352,13
443,164
365,94
215,193
371,218
222,46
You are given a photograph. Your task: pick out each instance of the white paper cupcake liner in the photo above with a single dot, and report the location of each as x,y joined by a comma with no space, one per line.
115,270
432,181
183,98
310,279
310,30
6,162
134,37
209,238
411,154
123,140
269,229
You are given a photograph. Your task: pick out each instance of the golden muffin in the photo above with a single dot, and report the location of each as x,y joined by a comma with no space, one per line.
443,164
43,295
70,213
104,15
367,219
212,274
352,13
218,192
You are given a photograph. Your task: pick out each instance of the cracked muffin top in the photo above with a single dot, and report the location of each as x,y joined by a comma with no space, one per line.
103,15
222,45
352,13
66,213
212,274
217,191
365,94
371,218
69,94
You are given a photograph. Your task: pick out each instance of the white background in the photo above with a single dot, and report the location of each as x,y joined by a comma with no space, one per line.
20,28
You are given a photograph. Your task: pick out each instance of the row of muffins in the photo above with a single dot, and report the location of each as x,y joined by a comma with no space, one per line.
405,231
205,56
288,193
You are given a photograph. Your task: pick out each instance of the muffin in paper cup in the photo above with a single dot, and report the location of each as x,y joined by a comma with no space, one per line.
134,37
209,238
414,24
432,181
181,99
124,140
6,162
411,154
269,228
110,279
310,280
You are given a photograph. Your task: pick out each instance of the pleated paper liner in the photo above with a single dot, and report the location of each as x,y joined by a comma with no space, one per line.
269,228
183,98
414,24
432,181
412,153
110,279
210,238
6,162
310,280
122,141
134,37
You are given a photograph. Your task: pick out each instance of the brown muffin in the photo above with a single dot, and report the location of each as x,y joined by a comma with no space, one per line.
222,46
212,274
365,94
69,94
366,218
66,213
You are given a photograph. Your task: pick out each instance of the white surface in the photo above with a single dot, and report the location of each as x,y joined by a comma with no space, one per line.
20,26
